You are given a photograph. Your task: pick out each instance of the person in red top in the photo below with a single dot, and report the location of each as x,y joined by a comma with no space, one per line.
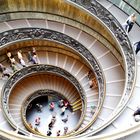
37,121
66,103
52,105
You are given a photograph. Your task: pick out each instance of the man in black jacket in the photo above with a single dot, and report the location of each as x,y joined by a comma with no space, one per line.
137,46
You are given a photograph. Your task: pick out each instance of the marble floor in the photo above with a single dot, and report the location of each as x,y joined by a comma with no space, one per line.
46,116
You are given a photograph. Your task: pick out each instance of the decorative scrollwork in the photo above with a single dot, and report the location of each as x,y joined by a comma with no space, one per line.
46,34
96,9
37,69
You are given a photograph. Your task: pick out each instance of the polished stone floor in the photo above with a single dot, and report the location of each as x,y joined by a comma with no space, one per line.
46,116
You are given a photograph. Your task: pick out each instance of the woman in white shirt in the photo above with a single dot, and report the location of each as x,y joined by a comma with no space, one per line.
129,22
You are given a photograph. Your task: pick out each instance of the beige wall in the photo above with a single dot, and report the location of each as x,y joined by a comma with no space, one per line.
58,7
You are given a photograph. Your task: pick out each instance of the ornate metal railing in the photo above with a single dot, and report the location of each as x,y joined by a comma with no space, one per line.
105,17
46,34
35,69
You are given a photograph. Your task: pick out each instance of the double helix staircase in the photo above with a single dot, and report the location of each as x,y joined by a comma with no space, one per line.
79,70
112,68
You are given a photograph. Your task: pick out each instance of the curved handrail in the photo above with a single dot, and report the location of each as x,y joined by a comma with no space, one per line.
22,34
111,23
131,5
33,69
131,8
115,135
70,22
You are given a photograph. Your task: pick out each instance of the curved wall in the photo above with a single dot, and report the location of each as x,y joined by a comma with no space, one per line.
17,9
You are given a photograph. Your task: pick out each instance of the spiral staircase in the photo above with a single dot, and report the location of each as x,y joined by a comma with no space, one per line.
71,37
